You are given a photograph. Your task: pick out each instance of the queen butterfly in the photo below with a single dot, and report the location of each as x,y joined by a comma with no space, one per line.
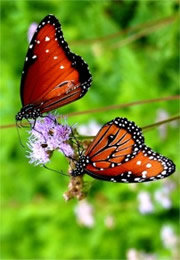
118,154
53,76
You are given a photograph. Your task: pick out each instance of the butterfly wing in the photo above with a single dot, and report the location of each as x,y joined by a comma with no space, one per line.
118,154
52,76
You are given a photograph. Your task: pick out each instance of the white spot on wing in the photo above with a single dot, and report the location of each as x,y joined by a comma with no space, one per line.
137,179
61,67
55,57
148,165
47,51
138,162
47,39
144,174
163,173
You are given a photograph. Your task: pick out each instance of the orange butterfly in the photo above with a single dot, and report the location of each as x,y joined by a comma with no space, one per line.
53,76
118,154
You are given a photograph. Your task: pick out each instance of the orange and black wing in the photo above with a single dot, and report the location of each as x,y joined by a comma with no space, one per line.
118,154
53,76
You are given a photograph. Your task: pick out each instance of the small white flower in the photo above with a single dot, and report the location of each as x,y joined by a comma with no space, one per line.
132,254
162,196
168,237
90,128
84,214
163,115
145,203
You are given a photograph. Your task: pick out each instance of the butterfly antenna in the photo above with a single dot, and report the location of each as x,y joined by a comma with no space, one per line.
20,141
77,143
34,123
71,158
59,172
82,152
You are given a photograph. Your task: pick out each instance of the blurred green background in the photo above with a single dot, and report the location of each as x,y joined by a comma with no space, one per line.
116,221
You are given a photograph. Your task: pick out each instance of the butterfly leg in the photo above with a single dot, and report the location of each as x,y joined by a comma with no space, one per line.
77,144
33,128
59,172
17,127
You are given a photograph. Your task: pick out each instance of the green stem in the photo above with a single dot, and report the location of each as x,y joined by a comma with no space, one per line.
102,109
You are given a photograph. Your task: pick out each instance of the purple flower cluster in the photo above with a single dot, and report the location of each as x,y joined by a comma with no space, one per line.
47,136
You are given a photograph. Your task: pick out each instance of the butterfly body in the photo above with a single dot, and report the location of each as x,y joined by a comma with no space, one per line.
28,112
118,154
52,76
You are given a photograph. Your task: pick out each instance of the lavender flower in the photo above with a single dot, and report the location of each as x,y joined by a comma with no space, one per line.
47,136
31,31
38,154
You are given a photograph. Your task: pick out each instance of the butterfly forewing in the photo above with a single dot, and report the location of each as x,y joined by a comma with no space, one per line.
98,139
115,140
52,76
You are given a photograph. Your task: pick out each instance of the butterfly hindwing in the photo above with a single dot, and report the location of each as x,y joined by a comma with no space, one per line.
147,165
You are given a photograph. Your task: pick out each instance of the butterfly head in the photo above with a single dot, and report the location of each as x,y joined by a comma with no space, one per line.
80,166
28,112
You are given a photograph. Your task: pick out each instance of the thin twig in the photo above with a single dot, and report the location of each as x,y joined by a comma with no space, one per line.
101,109
148,127
143,32
144,128
140,102
108,37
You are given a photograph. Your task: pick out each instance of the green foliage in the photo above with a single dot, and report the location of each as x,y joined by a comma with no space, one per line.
36,221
